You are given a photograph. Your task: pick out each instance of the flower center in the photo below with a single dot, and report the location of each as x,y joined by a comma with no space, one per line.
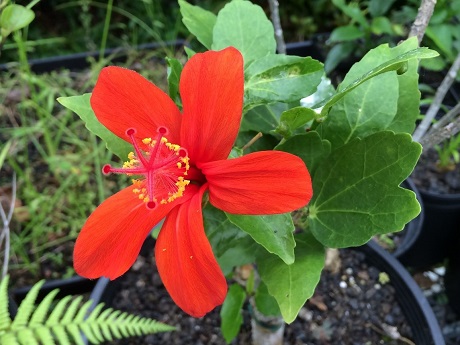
162,166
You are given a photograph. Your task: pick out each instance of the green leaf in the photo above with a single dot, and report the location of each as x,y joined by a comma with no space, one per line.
231,246
281,78
274,232
381,25
266,304
437,64
230,314
346,33
221,232
82,107
174,72
351,82
361,112
190,52
324,90
15,17
356,190
263,118
379,8
198,21
352,10
293,284
309,147
442,36
409,94
337,54
232,29
294,118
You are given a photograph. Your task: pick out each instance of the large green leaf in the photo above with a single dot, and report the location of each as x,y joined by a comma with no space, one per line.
409,94
246,27
309,146
293,284
274,232
232,247
362,112
230,314
399,64
82,107
198,21
15,17
266,304
281,78
356,192
222,233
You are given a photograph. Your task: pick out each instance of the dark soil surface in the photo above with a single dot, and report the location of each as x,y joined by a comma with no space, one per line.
428,177
354,305
433,284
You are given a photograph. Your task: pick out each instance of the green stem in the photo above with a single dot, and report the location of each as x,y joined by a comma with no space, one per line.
105,33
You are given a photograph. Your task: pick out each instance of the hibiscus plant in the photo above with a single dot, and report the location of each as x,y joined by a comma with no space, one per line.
326,174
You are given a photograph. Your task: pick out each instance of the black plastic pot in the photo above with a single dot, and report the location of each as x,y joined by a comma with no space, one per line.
452,276
439,231
416,309
12,307
71,286
80,61
305,48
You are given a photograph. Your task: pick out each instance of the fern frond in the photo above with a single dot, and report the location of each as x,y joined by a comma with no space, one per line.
5,319
26,307
64,325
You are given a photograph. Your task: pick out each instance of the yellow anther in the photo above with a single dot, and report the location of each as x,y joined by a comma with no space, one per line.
137,183
165,187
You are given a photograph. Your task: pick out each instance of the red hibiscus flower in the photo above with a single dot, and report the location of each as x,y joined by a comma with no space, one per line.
177,157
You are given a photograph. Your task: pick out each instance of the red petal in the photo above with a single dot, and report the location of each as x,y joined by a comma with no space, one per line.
265,182
186,262
211,88
112,237
124,99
